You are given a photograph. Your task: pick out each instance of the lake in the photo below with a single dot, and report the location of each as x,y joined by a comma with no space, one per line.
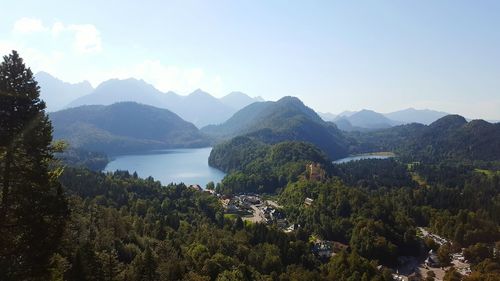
189,166
363,156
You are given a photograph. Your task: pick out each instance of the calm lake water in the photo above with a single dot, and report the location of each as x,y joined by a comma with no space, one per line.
189,166
361,157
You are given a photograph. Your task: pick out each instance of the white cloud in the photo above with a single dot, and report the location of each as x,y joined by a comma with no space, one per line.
58,47
87,38
28,25
36,59
57,28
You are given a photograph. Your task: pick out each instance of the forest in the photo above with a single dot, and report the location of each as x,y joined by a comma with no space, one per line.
60,221
254,166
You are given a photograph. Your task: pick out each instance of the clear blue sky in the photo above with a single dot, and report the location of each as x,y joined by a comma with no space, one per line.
334,55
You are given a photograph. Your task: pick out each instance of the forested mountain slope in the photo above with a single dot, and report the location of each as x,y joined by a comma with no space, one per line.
124,127
287,119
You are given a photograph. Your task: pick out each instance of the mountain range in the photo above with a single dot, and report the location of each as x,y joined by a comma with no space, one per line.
412,115
366,120
58,94
238,100
198,107
202,109
129,127
451,137
287,119
124,127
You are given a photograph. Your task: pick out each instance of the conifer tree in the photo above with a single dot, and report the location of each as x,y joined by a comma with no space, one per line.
32,205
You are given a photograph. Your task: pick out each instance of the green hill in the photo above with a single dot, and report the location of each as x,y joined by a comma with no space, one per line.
254,166
448,138
124,128
287,119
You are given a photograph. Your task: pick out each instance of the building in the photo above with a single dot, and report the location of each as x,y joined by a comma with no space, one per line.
308,201
323,249
432,259
196,187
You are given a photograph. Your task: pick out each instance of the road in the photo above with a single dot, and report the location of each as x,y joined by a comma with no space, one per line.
273,204
258,215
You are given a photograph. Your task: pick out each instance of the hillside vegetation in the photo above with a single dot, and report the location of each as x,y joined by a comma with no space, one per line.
124,128
287,119
254,166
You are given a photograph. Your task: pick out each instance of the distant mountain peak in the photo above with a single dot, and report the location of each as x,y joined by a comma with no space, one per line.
478,123
46,75
171,93
327,116
410,109
364,111
346,113
449,122
57,94
290,100
364,119
129,81
199,92
237,93
285,119
412,115
238,100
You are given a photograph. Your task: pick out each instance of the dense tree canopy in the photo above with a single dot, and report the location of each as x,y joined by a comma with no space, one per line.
32,206
257,167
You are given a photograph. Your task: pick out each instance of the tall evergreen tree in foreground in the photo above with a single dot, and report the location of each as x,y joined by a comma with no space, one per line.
32,205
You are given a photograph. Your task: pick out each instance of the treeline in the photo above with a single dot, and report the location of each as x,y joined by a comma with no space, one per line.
449,139
379,220
375,173
75,157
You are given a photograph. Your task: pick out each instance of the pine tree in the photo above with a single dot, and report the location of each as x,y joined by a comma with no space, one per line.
149,270
86,265
32,205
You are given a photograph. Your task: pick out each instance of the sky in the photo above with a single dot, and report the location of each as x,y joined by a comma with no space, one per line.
334,55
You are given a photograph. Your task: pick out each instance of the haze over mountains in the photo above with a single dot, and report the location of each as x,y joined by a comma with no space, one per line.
129,127
201,108
412,115
238,100
364,119
370,120
58,94
198,107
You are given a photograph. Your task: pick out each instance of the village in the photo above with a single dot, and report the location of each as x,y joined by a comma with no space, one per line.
255,209
412,268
